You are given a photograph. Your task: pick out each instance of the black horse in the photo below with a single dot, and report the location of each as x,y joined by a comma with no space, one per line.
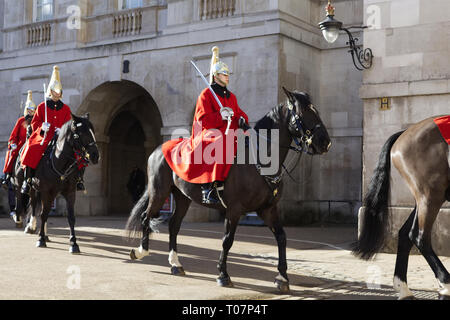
57,173
245,189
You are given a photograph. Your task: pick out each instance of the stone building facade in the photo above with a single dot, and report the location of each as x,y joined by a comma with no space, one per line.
128,67
411,68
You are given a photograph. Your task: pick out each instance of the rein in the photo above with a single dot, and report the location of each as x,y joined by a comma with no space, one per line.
302,145
80,160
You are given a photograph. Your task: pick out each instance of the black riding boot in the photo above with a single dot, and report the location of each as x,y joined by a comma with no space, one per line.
27,178
209,194
5,180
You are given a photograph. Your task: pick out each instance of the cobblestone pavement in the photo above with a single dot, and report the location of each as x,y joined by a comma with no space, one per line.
319,265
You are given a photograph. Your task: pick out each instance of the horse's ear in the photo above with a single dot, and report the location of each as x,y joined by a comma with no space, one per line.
86,115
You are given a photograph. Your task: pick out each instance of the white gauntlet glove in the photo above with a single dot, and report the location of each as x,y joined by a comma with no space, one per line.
226,113
13,146
45,126
57,131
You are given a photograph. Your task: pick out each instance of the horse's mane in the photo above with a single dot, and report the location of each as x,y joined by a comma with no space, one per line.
66,127
273,117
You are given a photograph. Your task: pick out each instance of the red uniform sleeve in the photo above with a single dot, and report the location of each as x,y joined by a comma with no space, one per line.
38,118
68,114
239,113
206,113
14,138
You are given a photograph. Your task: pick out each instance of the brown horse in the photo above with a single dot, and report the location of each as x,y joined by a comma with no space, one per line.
420,154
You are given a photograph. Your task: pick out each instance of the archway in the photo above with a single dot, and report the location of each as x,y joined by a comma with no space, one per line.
128,125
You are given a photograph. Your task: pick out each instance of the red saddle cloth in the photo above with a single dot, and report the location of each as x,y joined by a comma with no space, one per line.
443,124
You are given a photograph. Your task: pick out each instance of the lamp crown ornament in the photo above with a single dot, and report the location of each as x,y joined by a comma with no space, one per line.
329,9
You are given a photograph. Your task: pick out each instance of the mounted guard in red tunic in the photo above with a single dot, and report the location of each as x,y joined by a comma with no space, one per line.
18,137
49,118
186,157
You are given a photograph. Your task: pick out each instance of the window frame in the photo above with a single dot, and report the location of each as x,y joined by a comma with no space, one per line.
122,3
35,11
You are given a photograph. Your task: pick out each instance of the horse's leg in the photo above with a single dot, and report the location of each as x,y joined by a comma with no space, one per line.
404,248
32,223
426,215
70,197
46,207
271,218
182,204
231,222
156,201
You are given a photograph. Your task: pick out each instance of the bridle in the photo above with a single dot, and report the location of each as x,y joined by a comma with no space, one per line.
296,124
80,151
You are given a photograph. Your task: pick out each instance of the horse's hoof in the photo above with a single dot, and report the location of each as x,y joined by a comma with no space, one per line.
29,230
133,255
74,249
408,298
282,286
177,271
443,297
225,282
19,225
47,239
41,244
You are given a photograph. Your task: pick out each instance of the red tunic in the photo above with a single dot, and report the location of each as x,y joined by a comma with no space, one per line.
443,124
33,151
17,137
204,157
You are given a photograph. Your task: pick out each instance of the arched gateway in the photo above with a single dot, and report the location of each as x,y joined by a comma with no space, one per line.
128,125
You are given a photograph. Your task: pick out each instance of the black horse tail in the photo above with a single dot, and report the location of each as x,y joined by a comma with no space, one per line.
139,211
375,206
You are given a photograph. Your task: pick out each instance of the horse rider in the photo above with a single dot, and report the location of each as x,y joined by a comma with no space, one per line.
18,137
50,116
208,115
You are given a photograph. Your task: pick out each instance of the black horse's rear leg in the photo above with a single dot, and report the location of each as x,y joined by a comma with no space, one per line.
404,248
426,216
181,206
224,279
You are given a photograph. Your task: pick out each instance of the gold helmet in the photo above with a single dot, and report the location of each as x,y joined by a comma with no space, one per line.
217,66
55,82
30,106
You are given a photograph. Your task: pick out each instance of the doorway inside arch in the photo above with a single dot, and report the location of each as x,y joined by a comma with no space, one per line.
127,125
126,154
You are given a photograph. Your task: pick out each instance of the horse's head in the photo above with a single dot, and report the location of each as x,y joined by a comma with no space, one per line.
83,138
304,123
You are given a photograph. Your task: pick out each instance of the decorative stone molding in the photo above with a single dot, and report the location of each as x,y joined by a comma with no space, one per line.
39,34
127,23
212,9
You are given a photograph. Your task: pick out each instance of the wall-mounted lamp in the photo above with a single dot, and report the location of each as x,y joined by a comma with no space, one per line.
362,59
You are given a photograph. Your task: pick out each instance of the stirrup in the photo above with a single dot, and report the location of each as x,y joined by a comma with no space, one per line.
208,196
26,186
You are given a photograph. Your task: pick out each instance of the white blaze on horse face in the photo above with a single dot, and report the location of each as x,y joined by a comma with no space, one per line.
173,259
402,288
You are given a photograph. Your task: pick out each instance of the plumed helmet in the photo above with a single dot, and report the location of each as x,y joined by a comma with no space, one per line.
30,106
55,82
217,66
